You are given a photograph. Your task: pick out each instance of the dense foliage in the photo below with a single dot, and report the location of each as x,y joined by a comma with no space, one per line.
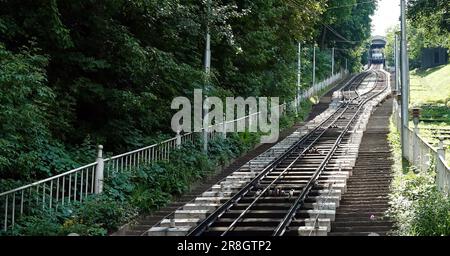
432,17
427,26
77,73
74,74
417,207
138,191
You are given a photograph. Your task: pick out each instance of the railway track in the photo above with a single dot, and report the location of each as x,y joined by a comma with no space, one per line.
141,225
362,208
284,196
297,192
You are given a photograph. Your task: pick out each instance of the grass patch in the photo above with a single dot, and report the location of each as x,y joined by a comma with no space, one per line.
430,86
430,91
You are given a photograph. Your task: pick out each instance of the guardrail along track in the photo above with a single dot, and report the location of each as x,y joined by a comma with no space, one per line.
297,189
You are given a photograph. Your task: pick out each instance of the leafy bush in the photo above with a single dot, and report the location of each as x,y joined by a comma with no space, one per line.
149,199
129,193
70,227
74,75
417,207
45,224
102,212
95,216
432,215
24,100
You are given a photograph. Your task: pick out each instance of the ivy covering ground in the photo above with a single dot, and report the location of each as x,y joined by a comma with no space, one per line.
142,190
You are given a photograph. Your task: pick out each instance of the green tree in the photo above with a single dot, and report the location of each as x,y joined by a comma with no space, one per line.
111,68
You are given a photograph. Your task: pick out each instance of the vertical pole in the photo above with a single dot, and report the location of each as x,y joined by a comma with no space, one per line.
396,61
207,76
224,127
299,75
314,66
415,145
208,44
99,171
416,156
332,61
405,80
397,78
205,130
398,113
178,140
346,69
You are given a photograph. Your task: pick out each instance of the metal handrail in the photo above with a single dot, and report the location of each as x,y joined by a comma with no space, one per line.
48,179
124,154
77,184
90,181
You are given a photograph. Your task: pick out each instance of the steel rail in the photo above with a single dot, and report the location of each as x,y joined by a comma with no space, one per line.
236,197
168,216
305,191
279,231
345,108
200,228
316,219
282,173
290,152
355,85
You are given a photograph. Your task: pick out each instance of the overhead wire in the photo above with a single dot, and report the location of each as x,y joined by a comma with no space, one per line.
295,2
348,5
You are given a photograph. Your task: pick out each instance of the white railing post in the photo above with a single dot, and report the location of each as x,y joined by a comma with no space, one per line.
441,150
415,155
410,141
398,115
178,139
205,130
99,171
415,143
441,171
